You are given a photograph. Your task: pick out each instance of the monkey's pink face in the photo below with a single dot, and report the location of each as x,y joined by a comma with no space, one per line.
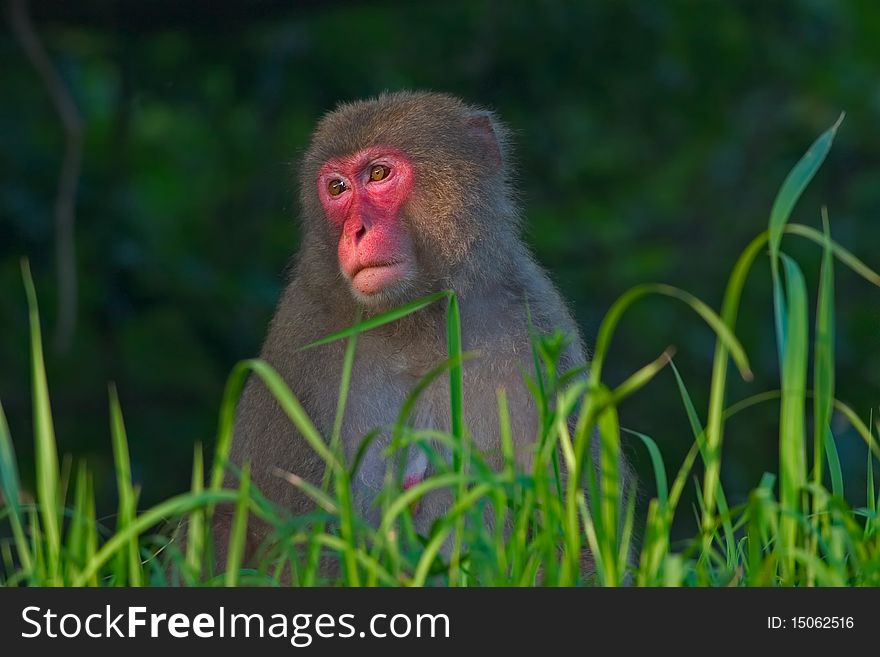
362,195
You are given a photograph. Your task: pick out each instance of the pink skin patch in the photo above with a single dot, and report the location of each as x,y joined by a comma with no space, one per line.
411,481
374,250
416,469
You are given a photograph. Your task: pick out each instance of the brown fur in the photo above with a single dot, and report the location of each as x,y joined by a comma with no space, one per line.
465,225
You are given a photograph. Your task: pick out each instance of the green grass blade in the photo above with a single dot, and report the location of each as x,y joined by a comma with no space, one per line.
406,499
823,363
321,498
795,183
456,418
792,448
286,400
409,403
505,431
9,486
859,426
788,195
127,506
700,437
454,353
534,337
46,450
681,477
341,400
75,549
823,378
718,385
673,571
642,377
690,410
381,319
658,466
655,545
625,548
294,411
833,464
870,498
91,528
314,553
38,551
844,256
609,492
238,533
792,188
614,314
226,423
195,530
503,507
451,517
780,313
170,508
727,345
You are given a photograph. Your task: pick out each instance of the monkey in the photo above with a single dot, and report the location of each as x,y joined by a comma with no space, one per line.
401,195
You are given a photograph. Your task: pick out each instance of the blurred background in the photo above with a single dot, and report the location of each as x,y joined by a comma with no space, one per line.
650,137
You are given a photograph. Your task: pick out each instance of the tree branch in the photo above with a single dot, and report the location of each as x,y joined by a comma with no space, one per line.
65,200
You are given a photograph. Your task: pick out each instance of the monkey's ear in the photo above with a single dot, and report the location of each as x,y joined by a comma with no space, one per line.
483,130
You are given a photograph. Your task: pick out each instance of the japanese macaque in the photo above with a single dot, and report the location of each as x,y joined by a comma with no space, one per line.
402,195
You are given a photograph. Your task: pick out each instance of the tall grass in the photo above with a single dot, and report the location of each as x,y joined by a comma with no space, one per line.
793,530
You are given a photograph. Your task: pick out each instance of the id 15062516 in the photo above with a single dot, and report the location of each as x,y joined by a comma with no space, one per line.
810,623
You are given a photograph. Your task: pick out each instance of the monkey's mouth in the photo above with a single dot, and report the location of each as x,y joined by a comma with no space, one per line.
372,278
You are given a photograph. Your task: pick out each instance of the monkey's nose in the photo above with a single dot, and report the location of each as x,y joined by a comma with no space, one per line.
355,229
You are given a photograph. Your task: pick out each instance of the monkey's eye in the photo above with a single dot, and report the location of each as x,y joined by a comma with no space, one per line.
379,172
336,186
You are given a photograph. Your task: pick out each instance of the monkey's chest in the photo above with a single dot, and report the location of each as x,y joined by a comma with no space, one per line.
392,391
